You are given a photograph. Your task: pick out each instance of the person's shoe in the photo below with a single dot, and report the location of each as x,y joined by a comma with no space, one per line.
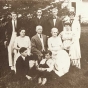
39,80
44,81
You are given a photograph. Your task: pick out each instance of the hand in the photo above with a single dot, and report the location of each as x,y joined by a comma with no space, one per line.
5,43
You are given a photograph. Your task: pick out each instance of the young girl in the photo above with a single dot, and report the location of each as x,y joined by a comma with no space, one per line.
45,68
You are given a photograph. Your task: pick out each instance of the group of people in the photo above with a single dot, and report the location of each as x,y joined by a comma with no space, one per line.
50,46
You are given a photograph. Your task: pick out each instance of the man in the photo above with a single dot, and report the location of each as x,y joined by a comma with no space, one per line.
39,42
37,20
54,22
11,33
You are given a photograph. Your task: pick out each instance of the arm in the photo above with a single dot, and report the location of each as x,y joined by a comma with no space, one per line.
51,65
49,44
29,46
16,44
61,26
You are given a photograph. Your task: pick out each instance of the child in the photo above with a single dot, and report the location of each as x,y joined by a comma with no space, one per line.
45,68
23,66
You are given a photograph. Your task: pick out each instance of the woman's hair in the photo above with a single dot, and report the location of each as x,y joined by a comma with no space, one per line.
22,49
54,29
21,29
67,24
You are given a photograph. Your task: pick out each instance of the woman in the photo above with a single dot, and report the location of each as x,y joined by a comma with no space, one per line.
60,56
21,41
67,36
75,52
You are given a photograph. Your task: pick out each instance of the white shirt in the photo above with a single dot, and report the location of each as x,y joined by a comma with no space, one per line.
14,24
39,17
41,39
54,21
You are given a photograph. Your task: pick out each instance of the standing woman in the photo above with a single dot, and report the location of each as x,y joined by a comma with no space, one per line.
75,52
67,36
60,56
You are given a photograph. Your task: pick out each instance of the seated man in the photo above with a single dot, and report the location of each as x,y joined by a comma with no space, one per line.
23,69
39,42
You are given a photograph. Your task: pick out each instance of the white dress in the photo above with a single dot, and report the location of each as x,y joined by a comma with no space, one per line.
61,57
67,38
75,52
21,42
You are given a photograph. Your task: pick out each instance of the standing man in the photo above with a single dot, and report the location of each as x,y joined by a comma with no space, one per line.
37,20
39,42
54,22
11,33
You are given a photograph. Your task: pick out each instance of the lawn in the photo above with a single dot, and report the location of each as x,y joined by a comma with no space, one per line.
74,79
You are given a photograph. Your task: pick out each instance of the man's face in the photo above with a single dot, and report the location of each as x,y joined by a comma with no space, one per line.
14,16
39,12
47,56
24,53
54,12
39,30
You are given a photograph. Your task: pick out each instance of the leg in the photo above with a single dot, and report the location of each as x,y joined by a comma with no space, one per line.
10,56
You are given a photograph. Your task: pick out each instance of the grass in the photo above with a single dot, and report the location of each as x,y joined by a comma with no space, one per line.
74,79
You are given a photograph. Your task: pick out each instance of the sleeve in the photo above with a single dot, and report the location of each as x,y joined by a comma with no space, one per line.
49,44
60,35
61,25
33,47
29,46
18,66
15,43
78,30
51,65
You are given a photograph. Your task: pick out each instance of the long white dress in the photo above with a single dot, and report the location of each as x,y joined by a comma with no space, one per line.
75,52
60,56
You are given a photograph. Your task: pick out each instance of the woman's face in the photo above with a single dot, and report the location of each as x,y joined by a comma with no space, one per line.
54,33
67,28
22,33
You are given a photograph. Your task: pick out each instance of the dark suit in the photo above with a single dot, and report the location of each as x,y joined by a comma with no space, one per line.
50,25
22,66
9,29
36,45
35,22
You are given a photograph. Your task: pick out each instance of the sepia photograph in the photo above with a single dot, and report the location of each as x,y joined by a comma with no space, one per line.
43,44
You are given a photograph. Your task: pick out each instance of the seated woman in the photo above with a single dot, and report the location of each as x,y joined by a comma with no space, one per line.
60,56
21,41
67,36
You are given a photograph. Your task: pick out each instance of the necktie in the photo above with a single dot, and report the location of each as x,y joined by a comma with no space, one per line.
40,36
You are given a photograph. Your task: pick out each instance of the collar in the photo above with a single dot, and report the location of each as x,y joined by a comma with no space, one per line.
23,57
39,17
39,35
54,17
